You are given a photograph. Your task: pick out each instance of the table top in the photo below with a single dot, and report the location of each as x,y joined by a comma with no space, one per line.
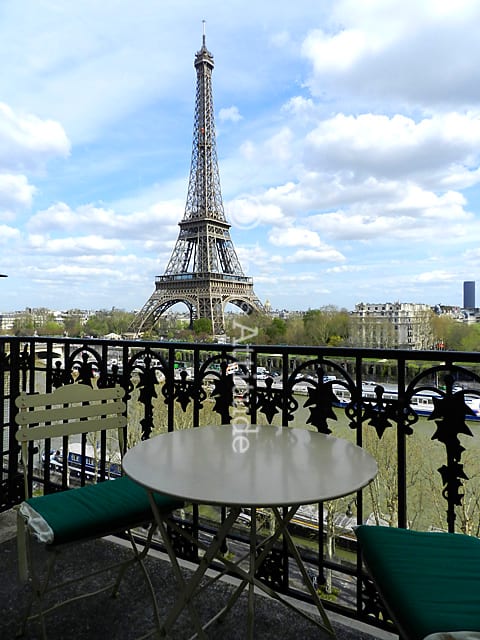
250,465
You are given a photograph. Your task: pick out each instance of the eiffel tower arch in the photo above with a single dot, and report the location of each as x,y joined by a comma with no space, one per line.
204,271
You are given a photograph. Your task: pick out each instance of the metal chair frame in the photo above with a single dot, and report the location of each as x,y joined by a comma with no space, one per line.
71,410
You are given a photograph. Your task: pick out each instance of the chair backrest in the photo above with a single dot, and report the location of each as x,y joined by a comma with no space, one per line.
69,410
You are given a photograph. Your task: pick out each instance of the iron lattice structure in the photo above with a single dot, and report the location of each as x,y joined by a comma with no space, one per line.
204,271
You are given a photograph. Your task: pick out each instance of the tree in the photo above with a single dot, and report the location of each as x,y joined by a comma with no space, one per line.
325,325
448,331
276,331
471,341
119,321
383,491
330,508
105,322
294,331
24,326
50,328
254,325
202,327
96,326
73,325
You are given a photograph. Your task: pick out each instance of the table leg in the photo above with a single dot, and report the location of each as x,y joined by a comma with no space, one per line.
255,562
190,588
251,586
282,524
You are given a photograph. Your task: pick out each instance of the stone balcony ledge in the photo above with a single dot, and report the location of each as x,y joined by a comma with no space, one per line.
129,615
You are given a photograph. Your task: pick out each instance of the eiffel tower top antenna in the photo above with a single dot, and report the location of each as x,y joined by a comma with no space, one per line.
204,271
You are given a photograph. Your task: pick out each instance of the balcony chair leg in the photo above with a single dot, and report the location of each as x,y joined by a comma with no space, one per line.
139,557
38,590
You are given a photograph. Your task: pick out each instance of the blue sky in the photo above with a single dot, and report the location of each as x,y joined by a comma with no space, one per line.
348,137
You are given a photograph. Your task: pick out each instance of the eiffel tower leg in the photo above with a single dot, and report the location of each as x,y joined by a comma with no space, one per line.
159,302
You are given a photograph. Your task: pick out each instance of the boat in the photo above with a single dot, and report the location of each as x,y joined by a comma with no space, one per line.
78,463
422,402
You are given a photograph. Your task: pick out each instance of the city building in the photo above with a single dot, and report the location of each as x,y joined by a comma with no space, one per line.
398,325
7,320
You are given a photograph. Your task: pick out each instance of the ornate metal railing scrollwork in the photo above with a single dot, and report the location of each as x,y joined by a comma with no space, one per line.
321,398
178,385
271,570
150,370
450,410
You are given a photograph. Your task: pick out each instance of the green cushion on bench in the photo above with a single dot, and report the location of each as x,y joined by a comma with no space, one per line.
429,581
98,509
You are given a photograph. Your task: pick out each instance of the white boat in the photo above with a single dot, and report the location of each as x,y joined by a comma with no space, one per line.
76,464
422,402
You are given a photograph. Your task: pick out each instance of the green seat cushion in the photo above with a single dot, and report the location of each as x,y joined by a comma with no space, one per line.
98,509
429,581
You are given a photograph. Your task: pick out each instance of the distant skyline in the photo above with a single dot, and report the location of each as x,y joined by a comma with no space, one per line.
348,138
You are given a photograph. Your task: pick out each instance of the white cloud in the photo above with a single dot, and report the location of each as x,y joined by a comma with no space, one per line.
323,254
248,213
27,142
312,248
90,245
15,192
472,256
302,108
418,53
425,206
388,231
434,276
394,147
345,269
336,52
255,259
7,234
259,159
292,237
71,272
60,217
280,145
231,114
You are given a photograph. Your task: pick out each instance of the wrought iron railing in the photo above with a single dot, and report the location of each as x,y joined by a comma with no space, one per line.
418,412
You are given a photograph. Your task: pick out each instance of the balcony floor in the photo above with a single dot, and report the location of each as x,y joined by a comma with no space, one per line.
129,616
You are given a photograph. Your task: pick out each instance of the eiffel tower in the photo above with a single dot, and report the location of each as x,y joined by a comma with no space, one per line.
204,271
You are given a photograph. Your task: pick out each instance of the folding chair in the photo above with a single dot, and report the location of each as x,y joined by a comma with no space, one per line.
429,582
95,510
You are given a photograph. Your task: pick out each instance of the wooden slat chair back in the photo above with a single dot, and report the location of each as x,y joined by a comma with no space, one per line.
78,514
79,409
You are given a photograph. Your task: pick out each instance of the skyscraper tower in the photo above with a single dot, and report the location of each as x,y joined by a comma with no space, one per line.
203,271
469,294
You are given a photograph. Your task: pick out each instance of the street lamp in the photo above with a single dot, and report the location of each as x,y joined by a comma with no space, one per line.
349,510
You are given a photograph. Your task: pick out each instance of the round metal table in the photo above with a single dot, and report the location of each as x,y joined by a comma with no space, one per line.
251,466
